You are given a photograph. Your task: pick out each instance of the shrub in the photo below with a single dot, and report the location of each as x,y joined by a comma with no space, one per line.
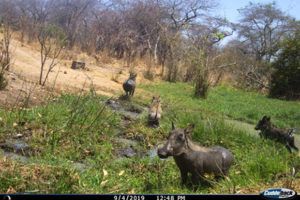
149,75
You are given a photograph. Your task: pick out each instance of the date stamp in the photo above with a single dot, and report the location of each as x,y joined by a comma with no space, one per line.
129,197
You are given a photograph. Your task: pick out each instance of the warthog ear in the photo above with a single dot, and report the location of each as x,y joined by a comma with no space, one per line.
189,129
173,126
264,117
268,118
158,98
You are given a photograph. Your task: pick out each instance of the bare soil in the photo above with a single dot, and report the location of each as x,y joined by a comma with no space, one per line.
105,79
21,93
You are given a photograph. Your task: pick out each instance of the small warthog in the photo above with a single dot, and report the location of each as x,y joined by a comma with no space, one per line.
268,130
129,84
155,111
193,158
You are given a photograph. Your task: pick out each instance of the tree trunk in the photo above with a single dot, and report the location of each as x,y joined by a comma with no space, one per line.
155,50
201,87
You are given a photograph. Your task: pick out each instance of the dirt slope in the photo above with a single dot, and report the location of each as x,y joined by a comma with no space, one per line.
25,70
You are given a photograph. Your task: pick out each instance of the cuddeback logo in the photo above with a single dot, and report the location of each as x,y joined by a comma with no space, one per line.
278,193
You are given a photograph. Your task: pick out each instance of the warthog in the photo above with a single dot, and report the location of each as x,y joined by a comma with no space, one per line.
155,111
193,158
268,130
129,84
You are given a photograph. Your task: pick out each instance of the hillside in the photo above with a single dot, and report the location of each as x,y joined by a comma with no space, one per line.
105,79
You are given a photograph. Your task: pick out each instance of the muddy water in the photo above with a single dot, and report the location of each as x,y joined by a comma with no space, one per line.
127,110
249,128
128,148
18,150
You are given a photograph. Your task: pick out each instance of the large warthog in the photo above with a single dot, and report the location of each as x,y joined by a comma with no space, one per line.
155,111
269,131
129,84
193,158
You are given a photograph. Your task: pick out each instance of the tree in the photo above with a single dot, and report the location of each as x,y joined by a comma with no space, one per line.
52,40
7,21
70,14
262,27
4,52
180,15
247,73
285,82
202,53
3,64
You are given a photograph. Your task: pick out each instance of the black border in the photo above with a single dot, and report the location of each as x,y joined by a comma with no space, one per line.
130,196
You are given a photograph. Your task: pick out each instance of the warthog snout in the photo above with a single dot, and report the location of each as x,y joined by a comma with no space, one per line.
175,144
165,151
263,123
162,153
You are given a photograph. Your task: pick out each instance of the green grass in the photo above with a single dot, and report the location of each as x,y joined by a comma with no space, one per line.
231,102
80,129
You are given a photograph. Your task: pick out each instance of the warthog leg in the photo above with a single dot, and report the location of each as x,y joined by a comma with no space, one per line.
132,92
184,176
288,147
195,178
195,181
293,146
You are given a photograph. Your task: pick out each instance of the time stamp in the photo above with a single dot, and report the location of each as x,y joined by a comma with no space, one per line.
154,197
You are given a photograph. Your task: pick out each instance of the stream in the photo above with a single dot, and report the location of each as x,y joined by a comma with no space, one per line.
19,150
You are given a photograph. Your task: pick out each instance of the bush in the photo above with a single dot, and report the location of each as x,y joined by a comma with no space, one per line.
149,75
285,82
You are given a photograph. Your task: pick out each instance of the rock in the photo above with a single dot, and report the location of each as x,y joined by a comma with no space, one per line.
126,142
17,146
129,115
14,156
19,135
113,104
127,152
79,166
78,65
135,109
